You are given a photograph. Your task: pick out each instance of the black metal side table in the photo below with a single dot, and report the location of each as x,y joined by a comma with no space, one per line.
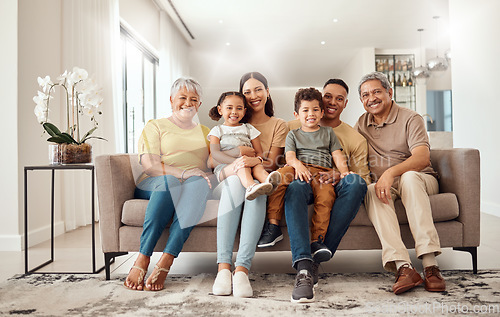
53,168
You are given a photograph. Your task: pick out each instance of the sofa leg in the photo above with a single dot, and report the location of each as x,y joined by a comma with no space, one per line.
109,258
473,252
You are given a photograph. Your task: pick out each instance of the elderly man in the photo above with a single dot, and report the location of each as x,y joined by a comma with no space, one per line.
350,192
399,159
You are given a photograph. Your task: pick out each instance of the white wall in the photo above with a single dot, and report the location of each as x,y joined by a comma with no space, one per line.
144,17
362,63
39,54
11,202
28,51
475,30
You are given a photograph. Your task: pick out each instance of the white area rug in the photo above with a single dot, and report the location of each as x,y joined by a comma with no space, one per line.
337,294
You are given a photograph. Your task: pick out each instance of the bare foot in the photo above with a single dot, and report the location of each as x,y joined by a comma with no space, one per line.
135,278
156,280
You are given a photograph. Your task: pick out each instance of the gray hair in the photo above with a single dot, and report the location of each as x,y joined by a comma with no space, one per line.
184,82
375,76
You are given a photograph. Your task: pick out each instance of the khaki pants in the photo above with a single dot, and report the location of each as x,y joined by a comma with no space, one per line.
414,189
324,196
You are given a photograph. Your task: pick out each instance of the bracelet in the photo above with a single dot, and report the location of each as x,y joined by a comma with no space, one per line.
261,159
182,175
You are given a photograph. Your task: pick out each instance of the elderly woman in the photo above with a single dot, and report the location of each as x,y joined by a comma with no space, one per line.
173,152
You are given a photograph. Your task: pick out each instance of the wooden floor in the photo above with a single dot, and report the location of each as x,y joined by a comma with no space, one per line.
73,254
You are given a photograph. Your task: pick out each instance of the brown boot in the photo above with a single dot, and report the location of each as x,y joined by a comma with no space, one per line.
406,279
434,281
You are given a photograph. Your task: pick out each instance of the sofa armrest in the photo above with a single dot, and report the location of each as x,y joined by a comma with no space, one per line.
115,185
459,173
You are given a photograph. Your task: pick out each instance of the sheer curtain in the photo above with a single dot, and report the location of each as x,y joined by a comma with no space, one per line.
91,40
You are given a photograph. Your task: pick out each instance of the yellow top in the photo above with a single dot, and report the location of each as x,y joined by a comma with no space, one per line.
177,147
354,147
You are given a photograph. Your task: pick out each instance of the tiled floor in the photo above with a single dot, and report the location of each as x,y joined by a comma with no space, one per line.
73,253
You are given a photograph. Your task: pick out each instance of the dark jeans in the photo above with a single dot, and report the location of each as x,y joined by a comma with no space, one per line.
350,193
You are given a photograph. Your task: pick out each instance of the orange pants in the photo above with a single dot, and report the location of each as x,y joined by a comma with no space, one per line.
324,196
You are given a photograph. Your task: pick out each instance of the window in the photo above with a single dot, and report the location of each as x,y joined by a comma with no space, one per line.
439,108
140,67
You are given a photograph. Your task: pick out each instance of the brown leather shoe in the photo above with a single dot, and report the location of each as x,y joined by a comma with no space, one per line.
406,279
434,281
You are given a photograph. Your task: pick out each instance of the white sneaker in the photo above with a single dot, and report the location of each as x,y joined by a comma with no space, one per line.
256,190
222,283
241,285
274,178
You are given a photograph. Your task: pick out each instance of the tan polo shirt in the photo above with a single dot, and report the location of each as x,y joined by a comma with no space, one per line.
354,148
391,142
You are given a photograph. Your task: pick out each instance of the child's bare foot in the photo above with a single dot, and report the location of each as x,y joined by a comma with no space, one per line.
135,278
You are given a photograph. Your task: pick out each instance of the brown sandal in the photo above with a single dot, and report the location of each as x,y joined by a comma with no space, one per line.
140,279
156,275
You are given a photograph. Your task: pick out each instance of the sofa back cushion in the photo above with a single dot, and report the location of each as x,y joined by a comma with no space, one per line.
444,207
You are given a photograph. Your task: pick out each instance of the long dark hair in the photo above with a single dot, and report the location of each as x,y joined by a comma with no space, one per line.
269,108
214,112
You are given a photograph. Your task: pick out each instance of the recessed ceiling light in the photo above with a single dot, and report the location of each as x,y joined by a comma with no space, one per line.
335,20
323,42
220,21
227,43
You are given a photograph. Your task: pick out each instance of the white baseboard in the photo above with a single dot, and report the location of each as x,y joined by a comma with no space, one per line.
11,243
490,208
16,242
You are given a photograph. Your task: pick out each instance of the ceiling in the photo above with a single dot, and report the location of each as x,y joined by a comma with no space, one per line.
283,38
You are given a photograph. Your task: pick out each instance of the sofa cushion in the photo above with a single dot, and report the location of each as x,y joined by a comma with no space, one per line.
444,207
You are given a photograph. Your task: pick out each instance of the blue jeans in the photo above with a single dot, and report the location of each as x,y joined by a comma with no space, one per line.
169,199
232,197
350,193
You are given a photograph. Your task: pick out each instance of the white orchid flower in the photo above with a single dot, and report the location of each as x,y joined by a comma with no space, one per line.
45,83
92,98
41,98
41,113
87,86
62,78
78,74
80,91
38,100
89,111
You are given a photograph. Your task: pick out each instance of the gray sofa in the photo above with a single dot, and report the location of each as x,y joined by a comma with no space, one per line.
455,210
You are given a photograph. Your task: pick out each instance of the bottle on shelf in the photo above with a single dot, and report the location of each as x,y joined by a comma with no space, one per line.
398,81
404,83
391,80
410,81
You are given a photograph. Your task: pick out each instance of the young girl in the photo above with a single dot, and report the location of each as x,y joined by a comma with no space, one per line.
235,132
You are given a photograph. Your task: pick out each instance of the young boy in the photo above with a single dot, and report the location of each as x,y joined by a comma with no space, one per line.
308,152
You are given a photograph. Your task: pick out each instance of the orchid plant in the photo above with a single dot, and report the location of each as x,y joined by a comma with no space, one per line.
83,98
